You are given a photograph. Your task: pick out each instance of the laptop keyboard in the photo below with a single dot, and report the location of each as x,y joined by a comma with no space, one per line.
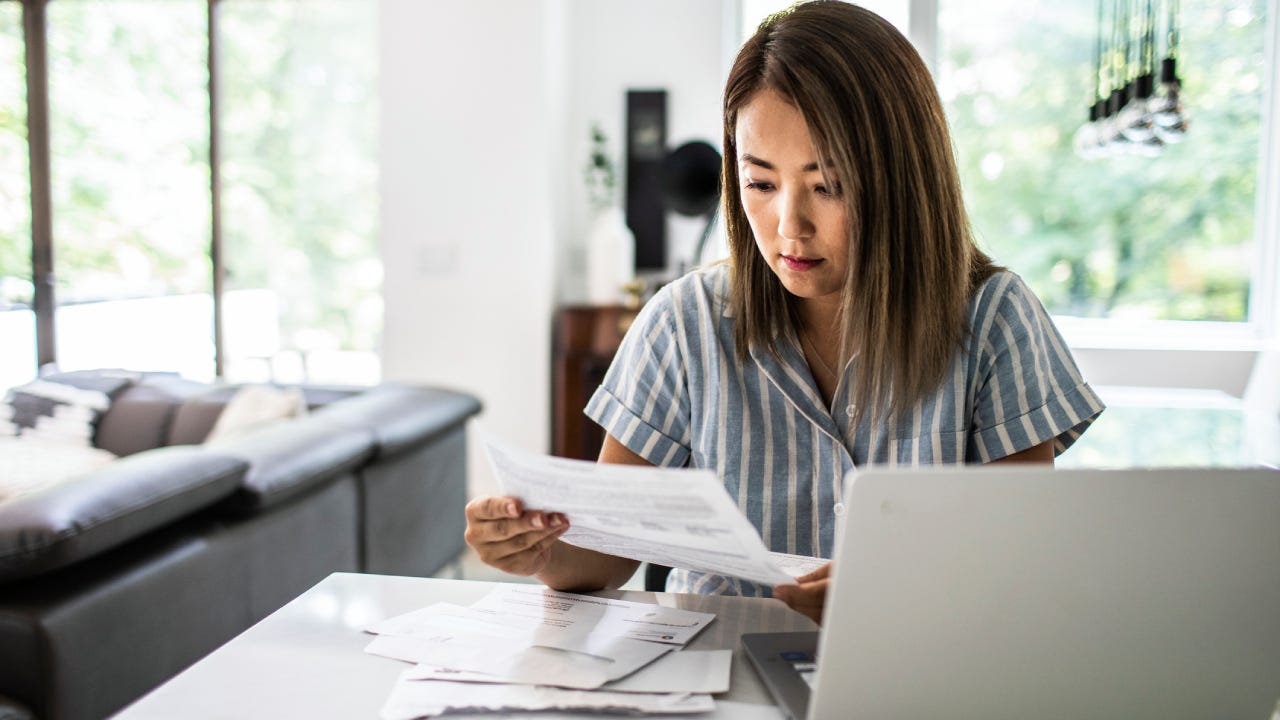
806,667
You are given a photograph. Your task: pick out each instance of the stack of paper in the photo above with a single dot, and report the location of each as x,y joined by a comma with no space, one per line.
524,647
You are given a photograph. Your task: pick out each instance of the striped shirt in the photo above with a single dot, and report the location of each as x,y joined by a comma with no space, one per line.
677,395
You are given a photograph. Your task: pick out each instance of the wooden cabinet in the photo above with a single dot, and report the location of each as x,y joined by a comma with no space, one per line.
584,342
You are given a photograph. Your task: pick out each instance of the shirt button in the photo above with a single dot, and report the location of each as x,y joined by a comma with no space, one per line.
838,509
850,410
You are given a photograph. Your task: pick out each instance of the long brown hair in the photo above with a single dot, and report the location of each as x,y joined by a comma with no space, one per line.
876,120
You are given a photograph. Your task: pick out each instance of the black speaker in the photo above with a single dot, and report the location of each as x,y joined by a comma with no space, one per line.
646,148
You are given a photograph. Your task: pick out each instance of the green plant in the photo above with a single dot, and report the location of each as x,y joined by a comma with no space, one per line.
600,174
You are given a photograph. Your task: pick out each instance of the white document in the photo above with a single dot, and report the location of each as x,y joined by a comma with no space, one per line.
443,617
423,698
560,614
686,671
797,565
692,671
677,517
522,663
724,710
497,657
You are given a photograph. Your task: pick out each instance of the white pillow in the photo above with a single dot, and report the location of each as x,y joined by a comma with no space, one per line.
33,463
254,406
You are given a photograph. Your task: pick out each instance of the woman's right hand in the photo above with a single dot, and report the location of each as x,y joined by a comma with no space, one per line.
510,538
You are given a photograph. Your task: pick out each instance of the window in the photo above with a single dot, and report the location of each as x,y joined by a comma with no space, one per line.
145,218
129,136
1124,237
1125,241
299,179
17,321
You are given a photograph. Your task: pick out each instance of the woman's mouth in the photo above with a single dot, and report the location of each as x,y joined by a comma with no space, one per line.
800,264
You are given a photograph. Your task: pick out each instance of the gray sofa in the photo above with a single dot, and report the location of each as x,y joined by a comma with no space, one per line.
113,582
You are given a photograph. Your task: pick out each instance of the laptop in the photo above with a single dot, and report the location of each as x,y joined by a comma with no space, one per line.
1020,592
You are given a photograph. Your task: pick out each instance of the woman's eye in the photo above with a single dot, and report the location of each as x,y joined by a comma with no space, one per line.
828,192
760,186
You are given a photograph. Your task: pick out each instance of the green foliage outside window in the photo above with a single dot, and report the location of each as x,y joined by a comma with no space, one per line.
129,148
15,198
129,116
299,165
1170,237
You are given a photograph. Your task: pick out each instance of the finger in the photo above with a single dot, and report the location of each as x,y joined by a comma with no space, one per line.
808,598
522,542
821,573
540,520
492,507
785,592
483,533
525,553
542,549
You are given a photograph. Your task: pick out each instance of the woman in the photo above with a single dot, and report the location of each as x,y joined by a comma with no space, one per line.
855,322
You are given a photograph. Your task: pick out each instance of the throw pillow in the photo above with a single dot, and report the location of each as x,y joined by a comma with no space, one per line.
54,411
254,406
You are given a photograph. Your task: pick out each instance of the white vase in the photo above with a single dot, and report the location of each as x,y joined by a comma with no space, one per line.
611,257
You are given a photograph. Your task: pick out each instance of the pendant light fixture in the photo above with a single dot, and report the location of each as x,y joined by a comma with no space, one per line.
1087,140
1166,105
1135,119
1131,113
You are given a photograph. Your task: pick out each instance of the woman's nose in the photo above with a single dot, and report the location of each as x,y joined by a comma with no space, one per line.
793,217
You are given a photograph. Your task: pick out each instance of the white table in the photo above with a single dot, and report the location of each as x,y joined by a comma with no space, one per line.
306,660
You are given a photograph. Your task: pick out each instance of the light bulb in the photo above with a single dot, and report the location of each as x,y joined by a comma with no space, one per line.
1151,147
1172,134
1112,136
1165,105
1135,120
1086,140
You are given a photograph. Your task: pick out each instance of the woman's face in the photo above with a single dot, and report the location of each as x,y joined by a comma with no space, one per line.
799,221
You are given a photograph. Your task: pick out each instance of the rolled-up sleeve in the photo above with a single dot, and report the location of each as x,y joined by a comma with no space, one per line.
1031,390
644,399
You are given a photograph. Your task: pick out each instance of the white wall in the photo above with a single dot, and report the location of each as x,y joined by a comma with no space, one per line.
469,147
620,45
484,133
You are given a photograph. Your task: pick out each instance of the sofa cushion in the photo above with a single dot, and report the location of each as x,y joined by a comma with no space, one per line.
287,459
196,416
140,416
60,525
402,417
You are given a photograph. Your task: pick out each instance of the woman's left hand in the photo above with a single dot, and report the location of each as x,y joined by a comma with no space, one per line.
809,593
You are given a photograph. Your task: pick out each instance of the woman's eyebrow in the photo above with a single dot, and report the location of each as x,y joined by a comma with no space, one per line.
761,162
